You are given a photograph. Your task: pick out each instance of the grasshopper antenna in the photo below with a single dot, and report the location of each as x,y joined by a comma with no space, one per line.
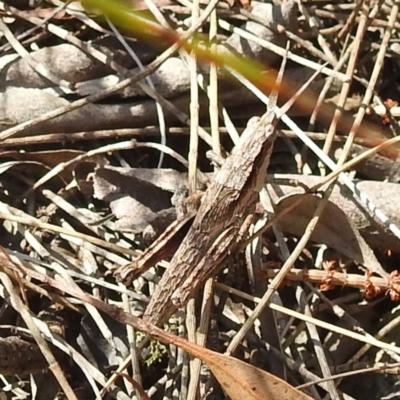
273,97
285,108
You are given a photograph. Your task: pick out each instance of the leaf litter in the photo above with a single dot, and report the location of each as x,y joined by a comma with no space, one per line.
77,202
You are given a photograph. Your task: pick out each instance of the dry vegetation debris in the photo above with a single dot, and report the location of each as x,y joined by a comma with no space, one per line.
94,168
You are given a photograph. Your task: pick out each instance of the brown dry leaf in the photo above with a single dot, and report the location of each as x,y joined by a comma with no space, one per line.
240,380
334,229
166,179
136,203
385,195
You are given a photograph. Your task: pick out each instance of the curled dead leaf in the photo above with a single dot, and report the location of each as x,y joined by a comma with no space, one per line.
334,229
